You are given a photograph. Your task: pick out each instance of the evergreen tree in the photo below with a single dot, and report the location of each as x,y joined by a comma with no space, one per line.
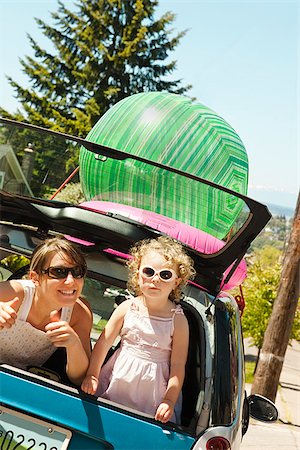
105,51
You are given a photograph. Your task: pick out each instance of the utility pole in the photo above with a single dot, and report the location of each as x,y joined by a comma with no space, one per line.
278,331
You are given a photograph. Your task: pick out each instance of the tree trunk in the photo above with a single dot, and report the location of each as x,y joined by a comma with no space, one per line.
279,328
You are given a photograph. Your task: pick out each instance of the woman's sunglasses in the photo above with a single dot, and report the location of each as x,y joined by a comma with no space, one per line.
164,274
60,273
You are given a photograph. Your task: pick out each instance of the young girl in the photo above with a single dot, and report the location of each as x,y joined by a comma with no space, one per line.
45,312
147,371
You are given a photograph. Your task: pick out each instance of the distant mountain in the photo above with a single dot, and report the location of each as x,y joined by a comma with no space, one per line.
277,210
275,200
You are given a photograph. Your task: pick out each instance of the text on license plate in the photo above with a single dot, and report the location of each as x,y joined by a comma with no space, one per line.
21,432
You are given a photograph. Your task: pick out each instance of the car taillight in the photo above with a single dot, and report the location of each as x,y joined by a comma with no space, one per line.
218,443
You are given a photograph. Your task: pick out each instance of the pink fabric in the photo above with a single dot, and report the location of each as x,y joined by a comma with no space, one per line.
137,374
197,239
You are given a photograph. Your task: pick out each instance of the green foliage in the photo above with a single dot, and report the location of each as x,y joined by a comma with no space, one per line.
99,327
296,325
249,371
266,256
14,262
52,158
72,193
260,293
260,290
103,52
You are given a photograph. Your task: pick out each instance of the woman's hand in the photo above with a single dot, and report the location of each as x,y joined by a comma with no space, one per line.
8,314
60,333
75,338
164,411
90,384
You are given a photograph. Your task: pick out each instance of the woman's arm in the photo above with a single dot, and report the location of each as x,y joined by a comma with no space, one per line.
75,337
179,353
78,356
105,341
11,297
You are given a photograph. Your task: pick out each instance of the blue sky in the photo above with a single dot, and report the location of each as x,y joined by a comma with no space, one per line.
241,58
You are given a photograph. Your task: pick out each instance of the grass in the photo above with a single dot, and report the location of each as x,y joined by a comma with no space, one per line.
249,368
100,325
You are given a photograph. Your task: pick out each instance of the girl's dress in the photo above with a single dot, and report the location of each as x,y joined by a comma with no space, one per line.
137,374
23,345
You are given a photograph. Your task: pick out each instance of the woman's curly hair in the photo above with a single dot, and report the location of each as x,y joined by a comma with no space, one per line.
172,251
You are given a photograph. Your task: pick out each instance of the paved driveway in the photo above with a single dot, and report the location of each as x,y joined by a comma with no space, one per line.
285,433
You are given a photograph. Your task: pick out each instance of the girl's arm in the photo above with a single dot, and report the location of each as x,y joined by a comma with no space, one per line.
11,297
177,369
105,341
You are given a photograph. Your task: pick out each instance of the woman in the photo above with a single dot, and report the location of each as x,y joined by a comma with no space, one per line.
44,312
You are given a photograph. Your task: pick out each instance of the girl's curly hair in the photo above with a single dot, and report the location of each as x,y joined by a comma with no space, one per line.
172,251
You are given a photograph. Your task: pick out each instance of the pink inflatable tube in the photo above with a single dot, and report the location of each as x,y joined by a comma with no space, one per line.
197,239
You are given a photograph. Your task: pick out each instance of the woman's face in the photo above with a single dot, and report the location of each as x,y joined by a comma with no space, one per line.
155,286
60,292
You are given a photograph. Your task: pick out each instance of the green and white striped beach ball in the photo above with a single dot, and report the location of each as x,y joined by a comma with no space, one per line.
170,129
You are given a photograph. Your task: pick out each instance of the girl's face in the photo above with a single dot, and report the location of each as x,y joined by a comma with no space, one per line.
58,291
161,280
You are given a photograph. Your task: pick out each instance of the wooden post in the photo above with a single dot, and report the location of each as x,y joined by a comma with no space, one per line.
278,331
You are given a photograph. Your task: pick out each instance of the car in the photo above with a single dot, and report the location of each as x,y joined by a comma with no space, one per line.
40,408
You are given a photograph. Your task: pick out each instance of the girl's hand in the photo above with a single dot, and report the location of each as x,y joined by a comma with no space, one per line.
8,314
90,384
60,333
164,411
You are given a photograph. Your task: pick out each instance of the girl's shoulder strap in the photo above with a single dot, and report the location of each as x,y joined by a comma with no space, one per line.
132,301
29,290
134,306
177,310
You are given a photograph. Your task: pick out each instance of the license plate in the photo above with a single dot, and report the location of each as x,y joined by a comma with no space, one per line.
21,432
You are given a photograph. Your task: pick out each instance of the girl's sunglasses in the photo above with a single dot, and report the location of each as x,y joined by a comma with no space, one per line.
60,273
164,274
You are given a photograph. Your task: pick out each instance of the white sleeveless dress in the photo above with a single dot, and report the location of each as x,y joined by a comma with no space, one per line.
137,374
22,345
